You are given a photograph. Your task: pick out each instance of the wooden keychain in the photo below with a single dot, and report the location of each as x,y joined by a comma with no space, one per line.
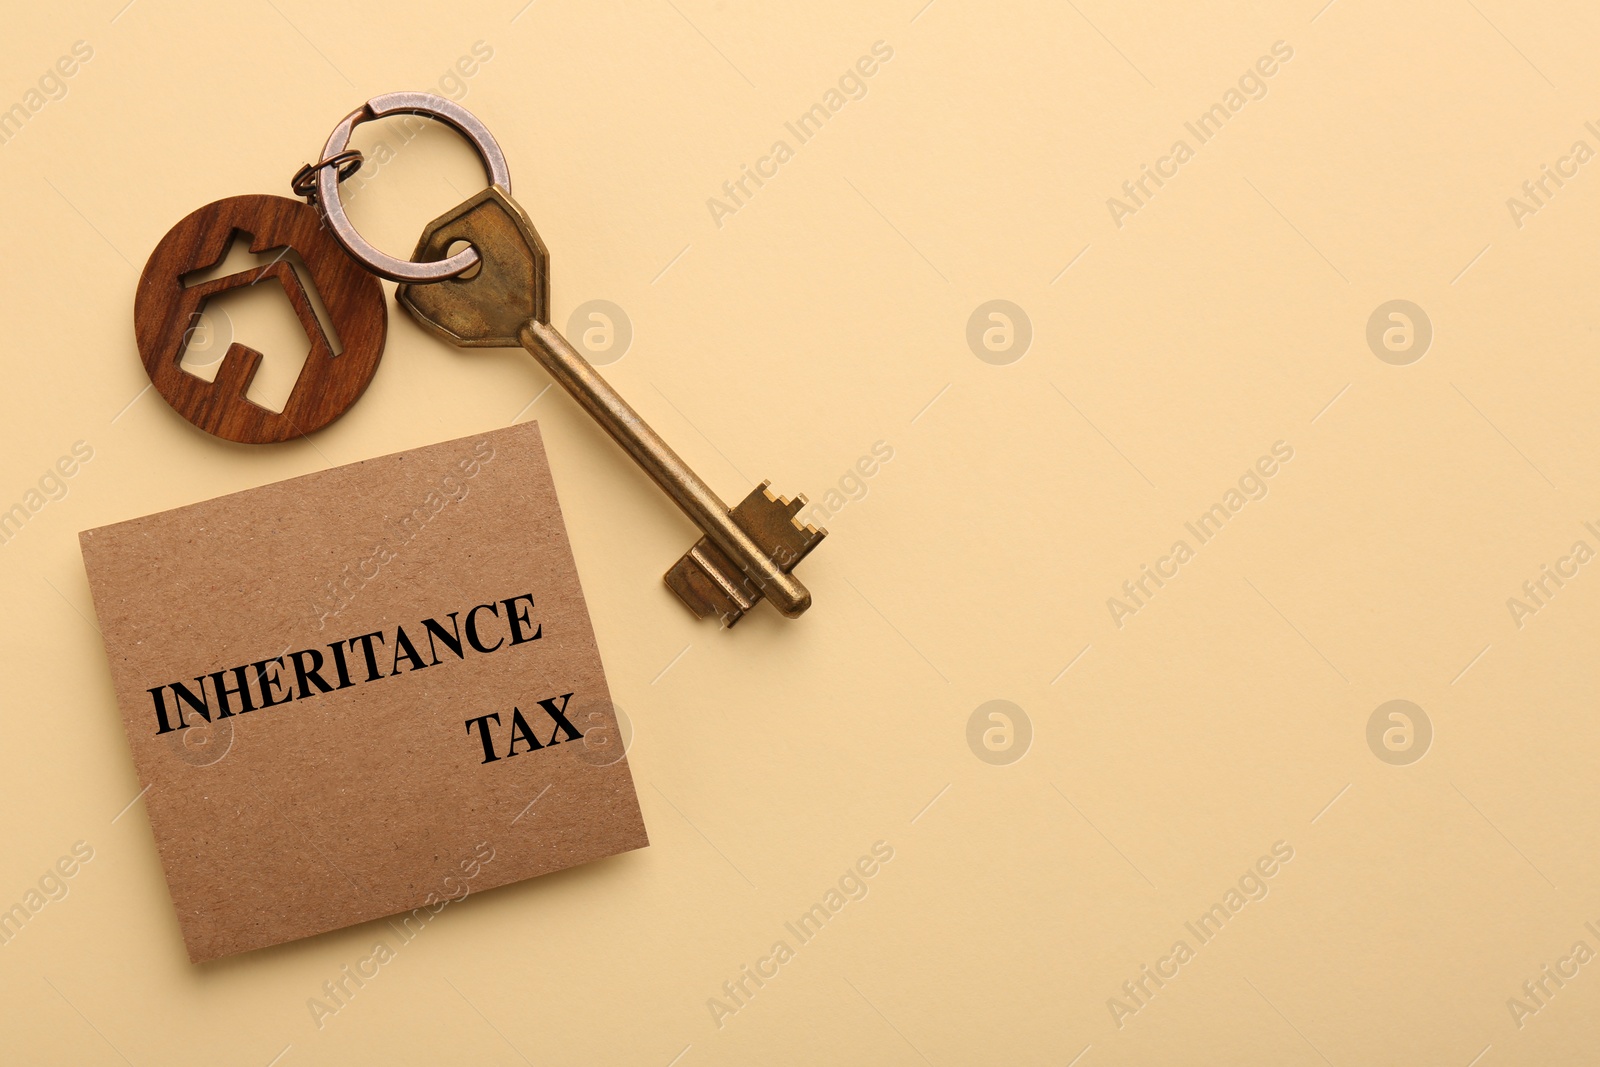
167,307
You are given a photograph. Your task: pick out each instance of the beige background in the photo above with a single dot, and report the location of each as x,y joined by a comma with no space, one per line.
829,313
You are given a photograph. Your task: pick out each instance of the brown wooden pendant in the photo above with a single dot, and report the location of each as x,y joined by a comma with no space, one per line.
165,309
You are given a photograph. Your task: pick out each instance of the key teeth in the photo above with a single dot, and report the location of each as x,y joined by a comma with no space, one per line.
709,583
790,504
813,533
793,506
773,523
816,533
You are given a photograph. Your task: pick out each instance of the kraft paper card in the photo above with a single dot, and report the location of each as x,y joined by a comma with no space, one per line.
361,693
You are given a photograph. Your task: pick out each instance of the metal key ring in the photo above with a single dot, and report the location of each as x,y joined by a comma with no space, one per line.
328,203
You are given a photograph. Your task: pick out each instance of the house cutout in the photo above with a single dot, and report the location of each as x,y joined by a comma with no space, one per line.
259,316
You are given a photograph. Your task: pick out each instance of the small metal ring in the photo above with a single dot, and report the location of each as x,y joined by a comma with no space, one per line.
304,182
409,103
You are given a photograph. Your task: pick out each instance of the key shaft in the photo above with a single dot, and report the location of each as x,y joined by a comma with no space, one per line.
746,553
703,507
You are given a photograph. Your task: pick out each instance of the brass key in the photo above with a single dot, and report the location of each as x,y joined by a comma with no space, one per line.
496,293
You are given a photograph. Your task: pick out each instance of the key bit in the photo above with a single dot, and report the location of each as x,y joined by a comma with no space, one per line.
712,584
747,553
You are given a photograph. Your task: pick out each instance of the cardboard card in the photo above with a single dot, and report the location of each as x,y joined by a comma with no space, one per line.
361,693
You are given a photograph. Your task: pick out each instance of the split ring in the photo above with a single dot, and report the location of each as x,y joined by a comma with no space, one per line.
304,182
363,251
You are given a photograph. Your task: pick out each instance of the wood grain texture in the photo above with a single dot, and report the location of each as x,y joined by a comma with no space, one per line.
164,309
